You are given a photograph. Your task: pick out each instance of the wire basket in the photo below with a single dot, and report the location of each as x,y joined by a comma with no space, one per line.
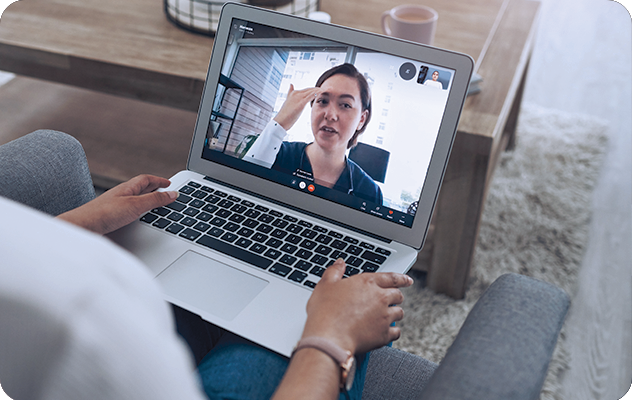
202,16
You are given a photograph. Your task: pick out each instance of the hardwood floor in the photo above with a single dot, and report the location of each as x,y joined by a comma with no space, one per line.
582,63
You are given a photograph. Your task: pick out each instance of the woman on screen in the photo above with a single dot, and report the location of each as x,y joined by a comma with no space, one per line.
341,110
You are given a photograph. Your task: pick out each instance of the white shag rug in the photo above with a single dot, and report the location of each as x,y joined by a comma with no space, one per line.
535,223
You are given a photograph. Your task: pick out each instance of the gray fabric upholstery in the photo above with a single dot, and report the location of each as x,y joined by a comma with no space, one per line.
46,170
501,352
395,374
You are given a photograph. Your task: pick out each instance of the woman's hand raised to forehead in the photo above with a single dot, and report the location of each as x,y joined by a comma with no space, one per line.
294,105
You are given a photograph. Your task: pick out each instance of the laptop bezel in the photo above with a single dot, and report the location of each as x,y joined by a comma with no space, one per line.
412,236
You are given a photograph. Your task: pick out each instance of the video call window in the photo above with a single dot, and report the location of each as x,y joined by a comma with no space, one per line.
407,105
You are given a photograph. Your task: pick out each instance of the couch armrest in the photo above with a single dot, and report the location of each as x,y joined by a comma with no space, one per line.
504,347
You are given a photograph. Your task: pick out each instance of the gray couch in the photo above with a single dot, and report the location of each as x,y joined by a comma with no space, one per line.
501,352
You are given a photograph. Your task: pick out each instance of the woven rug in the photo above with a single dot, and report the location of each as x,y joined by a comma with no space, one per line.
535,223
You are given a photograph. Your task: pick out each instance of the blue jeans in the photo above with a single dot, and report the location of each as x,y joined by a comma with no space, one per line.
231,367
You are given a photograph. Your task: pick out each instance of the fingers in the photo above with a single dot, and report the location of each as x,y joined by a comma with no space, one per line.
148,183
393,280
334,272
148,201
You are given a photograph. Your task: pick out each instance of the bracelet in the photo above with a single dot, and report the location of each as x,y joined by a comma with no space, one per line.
343,358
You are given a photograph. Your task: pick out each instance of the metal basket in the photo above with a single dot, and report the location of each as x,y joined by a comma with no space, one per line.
202,16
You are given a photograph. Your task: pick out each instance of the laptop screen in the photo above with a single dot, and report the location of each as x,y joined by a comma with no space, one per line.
344,123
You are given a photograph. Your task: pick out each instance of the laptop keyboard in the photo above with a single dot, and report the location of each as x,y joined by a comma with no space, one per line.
268,239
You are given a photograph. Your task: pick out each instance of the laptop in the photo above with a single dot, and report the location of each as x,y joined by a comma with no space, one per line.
247,241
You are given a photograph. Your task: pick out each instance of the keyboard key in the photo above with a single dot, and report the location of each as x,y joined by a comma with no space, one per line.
234,199
149,218
234,251
279,223
279,269
373,257
318,271
275,243
351,240
356,251
231,227
305,224
310,234
278,233
290,218
266,218
262,208
238,208
276,213
354,261
338,244
191,212
385,252
288,259
288,248
161,223
216,232
319,229
225,203
335,235
303,253
294,229
194,184
258,248
272,253
323,250
324,239
186,189
294,239
297,276
303,265
229,237
209,208
260,237
369,267
218,221
243,242
190,234
206,189
184,198
238,218
338,254
309,284
188,221
220,194
212,199
174,228
308,244
245,232
204,216
351,271
263,228
252,213
250,223
176,206
223,213
248,203
367,246
160,211
320,260
199,194
196,203
174,216
201,226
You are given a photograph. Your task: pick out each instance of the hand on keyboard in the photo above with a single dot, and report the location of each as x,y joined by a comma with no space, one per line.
121,205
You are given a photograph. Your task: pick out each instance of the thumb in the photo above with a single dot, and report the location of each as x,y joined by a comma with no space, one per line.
334,272
291,89
156,199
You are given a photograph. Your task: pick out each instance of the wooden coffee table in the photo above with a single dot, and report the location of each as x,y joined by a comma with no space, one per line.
128,48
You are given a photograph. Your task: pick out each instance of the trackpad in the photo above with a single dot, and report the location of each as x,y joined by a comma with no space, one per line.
210,285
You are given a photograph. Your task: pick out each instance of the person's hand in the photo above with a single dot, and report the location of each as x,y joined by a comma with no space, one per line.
121,205
294,105
356,312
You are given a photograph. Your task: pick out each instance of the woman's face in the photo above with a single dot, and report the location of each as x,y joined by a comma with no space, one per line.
337,113
435,76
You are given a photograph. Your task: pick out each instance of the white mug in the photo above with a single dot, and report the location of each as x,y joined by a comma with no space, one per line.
411,22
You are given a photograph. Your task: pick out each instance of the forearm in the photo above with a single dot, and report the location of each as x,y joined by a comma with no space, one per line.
311,374
265,149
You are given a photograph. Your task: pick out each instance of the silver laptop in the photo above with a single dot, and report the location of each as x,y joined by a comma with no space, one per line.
256,224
